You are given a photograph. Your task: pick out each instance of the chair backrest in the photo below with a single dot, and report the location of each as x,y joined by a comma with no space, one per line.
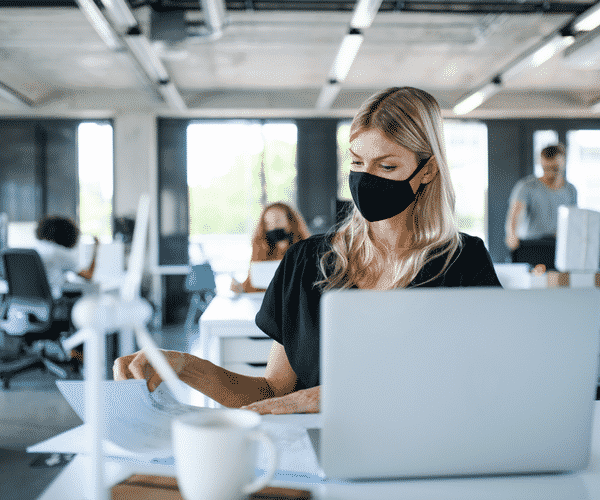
201,277
25,274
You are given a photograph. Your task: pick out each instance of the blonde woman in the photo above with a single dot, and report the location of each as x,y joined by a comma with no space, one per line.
401,233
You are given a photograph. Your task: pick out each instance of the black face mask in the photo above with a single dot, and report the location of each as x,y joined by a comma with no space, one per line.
378,198
275,235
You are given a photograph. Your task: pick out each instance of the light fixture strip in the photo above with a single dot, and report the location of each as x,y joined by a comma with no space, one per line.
476,99
364,13
144,53
100,24
169,93
547,49
120,13
589,20
214,14
328,94
346,54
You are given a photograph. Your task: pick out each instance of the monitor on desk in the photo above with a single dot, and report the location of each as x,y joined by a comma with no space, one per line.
261,273
447,382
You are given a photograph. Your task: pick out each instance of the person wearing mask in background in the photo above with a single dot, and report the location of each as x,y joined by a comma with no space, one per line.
401,233
57,237
532,216
279,227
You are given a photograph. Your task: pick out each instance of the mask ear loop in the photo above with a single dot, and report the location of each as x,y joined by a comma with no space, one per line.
422,163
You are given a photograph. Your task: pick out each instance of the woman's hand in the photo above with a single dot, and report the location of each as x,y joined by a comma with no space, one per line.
236,286
304,401
137,366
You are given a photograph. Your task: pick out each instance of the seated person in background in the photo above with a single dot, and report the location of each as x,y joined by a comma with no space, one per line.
532,217
57,237
401,233
279,227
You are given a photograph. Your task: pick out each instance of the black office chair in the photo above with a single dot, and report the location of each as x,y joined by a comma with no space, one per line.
32,323
201,282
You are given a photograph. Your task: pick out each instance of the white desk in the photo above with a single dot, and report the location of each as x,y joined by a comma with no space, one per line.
230,338
298,468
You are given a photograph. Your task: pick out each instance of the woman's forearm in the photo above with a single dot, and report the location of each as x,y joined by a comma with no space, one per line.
225,387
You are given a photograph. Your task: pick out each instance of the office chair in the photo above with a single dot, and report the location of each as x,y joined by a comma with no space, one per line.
201,282
32,319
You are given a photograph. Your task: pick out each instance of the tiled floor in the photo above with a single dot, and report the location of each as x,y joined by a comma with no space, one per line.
33,410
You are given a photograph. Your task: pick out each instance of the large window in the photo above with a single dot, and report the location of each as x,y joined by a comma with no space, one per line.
583,166
95,150
234,169
467,151
466,147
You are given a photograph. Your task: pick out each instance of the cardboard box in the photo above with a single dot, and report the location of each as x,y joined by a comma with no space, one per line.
142,487
556,279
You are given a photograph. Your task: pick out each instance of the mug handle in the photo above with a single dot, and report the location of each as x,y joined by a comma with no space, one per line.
262,481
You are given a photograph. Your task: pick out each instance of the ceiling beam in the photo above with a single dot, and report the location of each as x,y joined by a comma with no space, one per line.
414,6
15,97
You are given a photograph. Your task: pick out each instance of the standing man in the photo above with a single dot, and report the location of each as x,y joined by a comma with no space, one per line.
532,216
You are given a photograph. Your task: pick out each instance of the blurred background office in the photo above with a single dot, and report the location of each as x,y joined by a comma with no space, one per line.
217,108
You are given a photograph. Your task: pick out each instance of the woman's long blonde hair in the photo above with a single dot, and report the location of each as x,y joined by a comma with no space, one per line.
411,118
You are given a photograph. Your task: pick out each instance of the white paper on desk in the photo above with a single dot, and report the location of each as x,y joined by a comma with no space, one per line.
135,420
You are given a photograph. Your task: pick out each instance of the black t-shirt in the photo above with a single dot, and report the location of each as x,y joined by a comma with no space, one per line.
290,310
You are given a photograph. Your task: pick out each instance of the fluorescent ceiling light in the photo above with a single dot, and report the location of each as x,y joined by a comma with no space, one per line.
328,94
169,93
345,56
544,52
214,12
144,54
585,52
11,95
476,98
120,13
100,24
589,20
364,13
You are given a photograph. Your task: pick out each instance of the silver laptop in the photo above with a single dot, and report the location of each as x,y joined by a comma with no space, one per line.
261,273
457,382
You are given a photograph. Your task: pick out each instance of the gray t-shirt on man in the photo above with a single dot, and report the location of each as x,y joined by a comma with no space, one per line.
540,216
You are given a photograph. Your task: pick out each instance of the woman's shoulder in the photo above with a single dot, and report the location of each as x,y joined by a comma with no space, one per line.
471,247
468,240
313,245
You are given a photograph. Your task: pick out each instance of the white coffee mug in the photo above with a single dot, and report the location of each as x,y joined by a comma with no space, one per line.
215,454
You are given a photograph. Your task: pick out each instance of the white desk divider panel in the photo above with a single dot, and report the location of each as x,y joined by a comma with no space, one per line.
577,240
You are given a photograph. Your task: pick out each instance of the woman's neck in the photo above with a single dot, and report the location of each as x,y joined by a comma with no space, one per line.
393,235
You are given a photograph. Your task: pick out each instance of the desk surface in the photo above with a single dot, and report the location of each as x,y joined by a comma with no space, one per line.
298,468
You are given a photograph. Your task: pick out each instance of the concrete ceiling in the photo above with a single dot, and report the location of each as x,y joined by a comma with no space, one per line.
279,58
